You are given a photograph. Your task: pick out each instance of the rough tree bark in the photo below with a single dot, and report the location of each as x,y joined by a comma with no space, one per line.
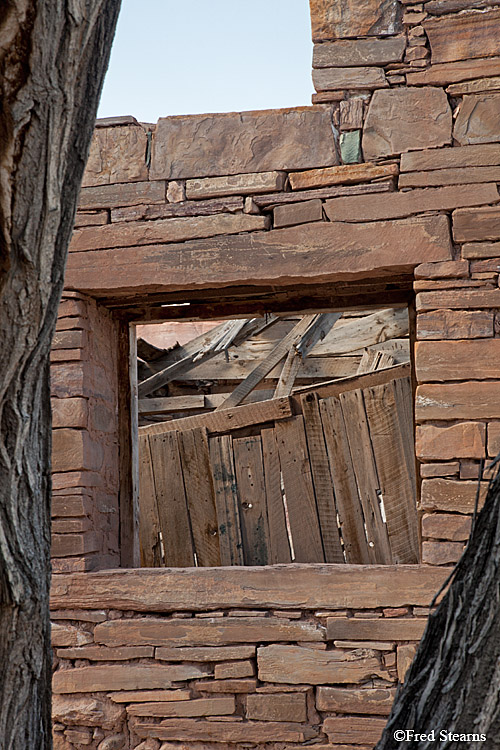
53,56
453,685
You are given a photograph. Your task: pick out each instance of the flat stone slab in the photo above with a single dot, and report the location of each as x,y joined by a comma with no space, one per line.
478,120
359,52
242,142
400,120
352,18
310,253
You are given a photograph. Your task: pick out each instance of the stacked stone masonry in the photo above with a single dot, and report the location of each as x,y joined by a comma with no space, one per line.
392,174
148,659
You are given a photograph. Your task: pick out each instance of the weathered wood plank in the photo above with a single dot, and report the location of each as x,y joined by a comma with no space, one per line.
171,500
365,470
328,389
226,500
344,481
291,366
278,534
193,446
284,586
149,522
398,494
265,366
299,490
227,419
252,496
323,485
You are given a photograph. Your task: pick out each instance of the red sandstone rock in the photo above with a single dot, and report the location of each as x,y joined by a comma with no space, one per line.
277,707
68,635
294,664
234,669
237,184
450,495
124,194
96,679
226,686
359,52
463,440
239,142
205,653
102,653
478,120
481,250
466,300
454,528
230,204
402,119
451,158
326,79
405,656
463,36
298,213
438,177
467,400
69,412
445,73
473,359
197,707
445,469
87,710
233,732
376,701
441,553
361,730
357,208
345,174
74,450
116,155
448,269
455,324
331,20
67,545
407,629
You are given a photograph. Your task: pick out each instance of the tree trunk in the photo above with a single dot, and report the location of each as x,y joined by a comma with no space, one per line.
453,685
53,56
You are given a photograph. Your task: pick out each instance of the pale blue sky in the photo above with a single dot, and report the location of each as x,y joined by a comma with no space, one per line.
175,57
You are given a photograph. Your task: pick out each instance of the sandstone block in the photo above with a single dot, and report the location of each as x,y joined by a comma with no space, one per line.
356,208
478,120
116,155
71,505
221,653
477,224
127,234
493,438
236,184
351,19
67,545
228,204
448,269
113,677
450,495
402,119
149,696
463,440
464,36
124,194
187,730
472,359
469,400
481,250
176,191
455,324
326,79
372,645
68,635
226,686
443,74
69,481
295,665
406,654
399,629
479,86
211,631
376,701
74,450
359,52
234,669
448,469
198,707
234,143
87,710
466,300
79,736
441,553
451,158
102,653
344,174
363,249
79,614
277,707
361,731
298,213
352,114
71,525
69,340
70,412
453,528
459,176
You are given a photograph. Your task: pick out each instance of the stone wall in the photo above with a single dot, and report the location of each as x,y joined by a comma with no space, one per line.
85,462
223,658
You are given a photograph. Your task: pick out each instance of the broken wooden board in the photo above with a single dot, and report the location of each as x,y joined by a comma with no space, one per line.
226,499
252,499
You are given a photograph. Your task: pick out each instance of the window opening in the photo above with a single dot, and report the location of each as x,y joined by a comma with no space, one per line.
287,438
